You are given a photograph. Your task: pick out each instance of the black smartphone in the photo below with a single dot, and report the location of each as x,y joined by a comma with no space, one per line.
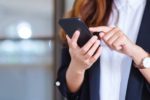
70,25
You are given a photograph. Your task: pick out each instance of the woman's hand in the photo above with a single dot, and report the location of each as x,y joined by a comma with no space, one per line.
117,40
82,58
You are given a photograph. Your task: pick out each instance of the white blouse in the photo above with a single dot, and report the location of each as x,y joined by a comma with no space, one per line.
114,66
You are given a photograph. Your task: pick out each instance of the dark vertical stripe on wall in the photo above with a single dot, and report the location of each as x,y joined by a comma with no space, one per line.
58,13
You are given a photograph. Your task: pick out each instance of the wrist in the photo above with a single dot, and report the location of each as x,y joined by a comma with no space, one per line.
75,68
138,56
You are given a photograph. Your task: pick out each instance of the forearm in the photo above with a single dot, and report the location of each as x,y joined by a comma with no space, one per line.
74,78
146,74
139,55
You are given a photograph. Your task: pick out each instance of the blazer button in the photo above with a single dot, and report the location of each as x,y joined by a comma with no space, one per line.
57,83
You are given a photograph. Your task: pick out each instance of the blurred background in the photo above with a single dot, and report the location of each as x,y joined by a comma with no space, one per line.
30,48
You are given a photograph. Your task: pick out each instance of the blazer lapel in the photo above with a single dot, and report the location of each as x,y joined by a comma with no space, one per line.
94,80
144,33
135,83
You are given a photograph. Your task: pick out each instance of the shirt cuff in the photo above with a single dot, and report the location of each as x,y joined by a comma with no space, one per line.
62,86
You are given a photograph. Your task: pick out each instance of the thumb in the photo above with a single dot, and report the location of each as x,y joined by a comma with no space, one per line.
68,39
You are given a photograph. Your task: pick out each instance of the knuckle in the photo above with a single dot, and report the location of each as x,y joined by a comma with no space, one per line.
119,34
86,63
113,29
98,42
114,46
94,58
83,50
109,43
123,37
88,54
105,38
118,48
91,42
95,37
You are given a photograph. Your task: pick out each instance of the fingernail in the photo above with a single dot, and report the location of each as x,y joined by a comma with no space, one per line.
95,37
77,32
101,34
91,28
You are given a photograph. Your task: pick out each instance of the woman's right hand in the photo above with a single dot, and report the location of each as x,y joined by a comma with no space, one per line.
83,58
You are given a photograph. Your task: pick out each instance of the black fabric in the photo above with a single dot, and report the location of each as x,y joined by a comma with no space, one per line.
94,80
135,85
145,93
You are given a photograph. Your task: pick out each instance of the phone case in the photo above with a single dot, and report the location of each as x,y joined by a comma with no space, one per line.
70,25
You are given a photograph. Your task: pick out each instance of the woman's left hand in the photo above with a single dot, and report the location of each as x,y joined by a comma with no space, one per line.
117,40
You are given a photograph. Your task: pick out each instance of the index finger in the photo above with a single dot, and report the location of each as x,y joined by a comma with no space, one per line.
100,28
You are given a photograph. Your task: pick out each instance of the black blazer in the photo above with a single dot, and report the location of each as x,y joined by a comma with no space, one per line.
138,88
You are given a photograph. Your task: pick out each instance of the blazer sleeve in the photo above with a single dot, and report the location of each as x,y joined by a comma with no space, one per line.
148,86
61,76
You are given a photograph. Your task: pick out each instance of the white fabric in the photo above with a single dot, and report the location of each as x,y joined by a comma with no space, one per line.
127,15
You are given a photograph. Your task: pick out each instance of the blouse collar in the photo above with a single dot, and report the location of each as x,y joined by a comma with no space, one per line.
128,3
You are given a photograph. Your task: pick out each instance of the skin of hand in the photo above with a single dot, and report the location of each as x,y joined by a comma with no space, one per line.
82,59
85,56
118,41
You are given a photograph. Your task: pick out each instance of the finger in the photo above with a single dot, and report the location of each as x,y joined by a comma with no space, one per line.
101,28
97,34
75,36
68,39
101,35
119,43
71,44
112,40
110,34
92,50
88,45
97,55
